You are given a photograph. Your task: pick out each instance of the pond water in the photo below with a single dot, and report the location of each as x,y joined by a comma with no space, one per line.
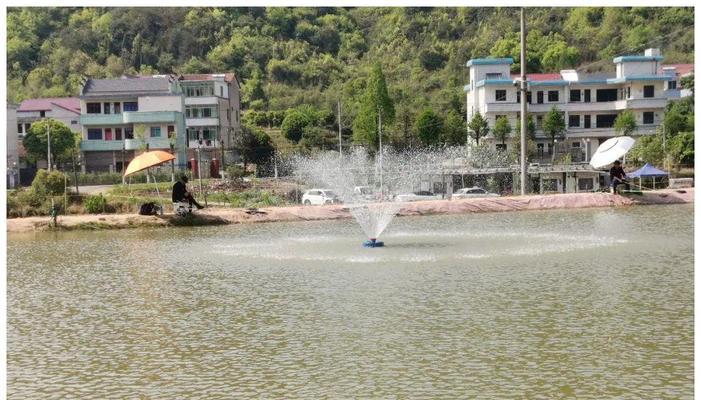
586,303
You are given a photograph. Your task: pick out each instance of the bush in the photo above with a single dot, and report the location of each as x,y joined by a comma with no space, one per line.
95,204
235,172
49,183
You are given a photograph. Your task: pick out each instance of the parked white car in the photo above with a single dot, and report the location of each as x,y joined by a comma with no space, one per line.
319,196
417,196
473,192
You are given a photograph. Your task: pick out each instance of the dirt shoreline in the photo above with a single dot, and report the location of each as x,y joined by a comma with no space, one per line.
223,216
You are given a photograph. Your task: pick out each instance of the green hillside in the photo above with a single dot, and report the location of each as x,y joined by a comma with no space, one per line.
291,56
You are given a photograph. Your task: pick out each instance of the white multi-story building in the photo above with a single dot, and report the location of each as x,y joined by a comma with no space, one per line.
212,114
590,102
122,116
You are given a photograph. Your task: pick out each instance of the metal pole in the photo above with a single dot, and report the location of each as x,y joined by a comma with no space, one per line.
340,141
48,144
524,109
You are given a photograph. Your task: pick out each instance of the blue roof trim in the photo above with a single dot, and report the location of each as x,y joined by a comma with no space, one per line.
494,82
640,78
590,82
548,83
621,59
490,61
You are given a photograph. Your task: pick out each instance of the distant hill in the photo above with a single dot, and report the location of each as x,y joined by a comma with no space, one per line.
290,56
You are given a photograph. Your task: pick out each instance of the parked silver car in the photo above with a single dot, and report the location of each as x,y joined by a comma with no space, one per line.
417,196
472,193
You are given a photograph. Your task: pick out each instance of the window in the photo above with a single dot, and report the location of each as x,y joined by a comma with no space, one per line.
93,108
131,106
587,95
106,108
128,133
585,183
27,127
605,120
574,121
501,147
587,121
539,97
155,131
42,114
494,75
171,131
648,91
19,128
538,121
117,108
648,117
628,92
541,149
195,112
117,133
575,95
95,133
221,91
206,112
553,96
604,95
74,122
501,95
108,133
671,85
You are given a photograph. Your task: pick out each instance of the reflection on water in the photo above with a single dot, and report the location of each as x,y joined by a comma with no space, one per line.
588,303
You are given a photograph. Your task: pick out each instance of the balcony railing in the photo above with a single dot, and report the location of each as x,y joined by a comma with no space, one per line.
128,117
100,145
140,117
101,119
153,143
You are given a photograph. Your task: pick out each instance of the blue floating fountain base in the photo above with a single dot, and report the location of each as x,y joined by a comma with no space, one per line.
373,243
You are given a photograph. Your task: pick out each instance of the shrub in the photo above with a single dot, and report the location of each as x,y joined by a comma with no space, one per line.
49,183
95,204
235,172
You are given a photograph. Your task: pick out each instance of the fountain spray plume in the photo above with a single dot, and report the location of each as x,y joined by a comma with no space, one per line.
368,184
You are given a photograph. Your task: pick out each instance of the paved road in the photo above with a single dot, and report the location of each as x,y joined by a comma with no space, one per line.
94,189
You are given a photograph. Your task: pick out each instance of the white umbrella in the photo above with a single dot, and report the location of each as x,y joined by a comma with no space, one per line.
611,150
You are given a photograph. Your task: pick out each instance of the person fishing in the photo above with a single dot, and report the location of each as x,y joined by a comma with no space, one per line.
180,193
618,176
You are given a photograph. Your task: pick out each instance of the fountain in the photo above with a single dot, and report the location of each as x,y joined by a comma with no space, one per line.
368,185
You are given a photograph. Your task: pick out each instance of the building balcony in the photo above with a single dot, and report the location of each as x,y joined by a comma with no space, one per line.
153,143
138,117
641,103
101,119
202,101
213,121
206,144
100,145
609,132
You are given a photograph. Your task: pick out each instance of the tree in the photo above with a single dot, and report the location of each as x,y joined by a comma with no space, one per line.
478,127
625,123
36,141
553,124
687,82
454,129
429,127
502,130
681,148
530,127
293,125
252,90
254,145
375,101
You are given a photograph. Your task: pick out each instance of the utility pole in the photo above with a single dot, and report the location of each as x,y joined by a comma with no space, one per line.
340,141
524,108
48,144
